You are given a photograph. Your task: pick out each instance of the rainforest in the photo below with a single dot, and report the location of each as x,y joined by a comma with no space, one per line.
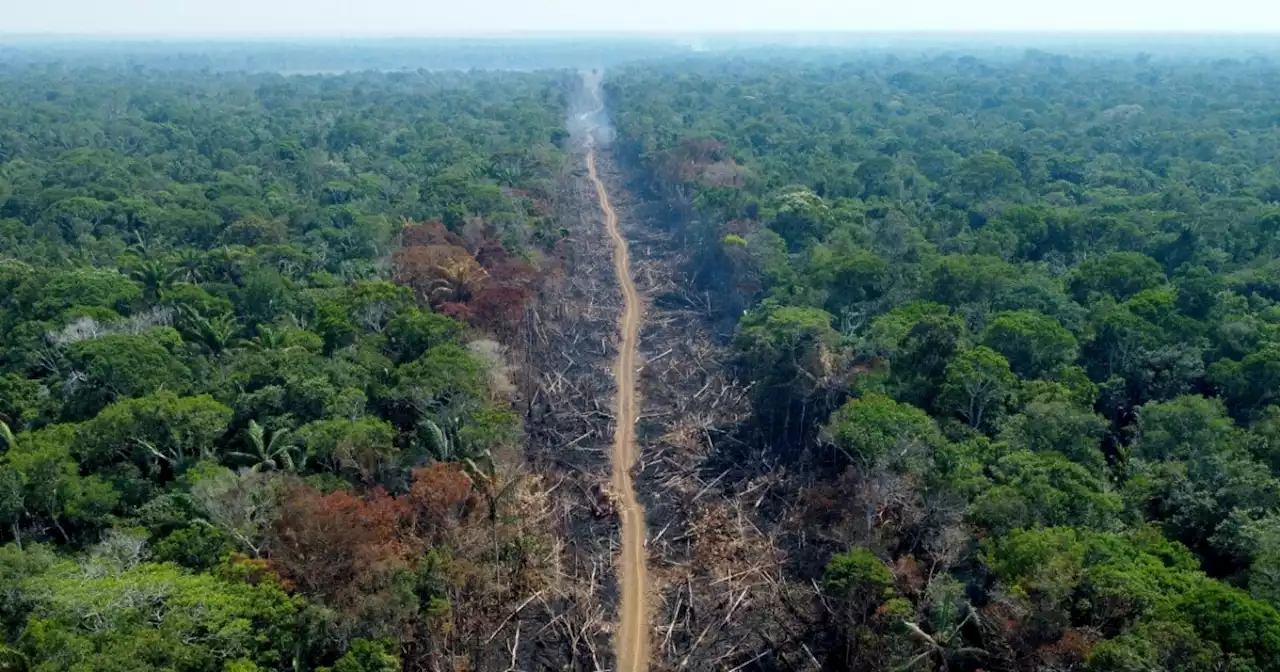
740,358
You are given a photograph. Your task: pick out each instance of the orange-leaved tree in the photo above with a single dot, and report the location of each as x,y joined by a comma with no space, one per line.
439,273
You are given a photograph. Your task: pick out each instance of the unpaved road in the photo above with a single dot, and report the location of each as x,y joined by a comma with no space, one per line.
631,642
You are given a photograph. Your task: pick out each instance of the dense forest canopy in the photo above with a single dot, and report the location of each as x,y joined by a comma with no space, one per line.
1030,304
1011,317
236,314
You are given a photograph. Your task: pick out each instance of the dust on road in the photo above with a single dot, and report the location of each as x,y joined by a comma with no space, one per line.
631,642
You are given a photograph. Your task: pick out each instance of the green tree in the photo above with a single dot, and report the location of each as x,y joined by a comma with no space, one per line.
411,334
1252,383
121,366
158,431
364,447
1035,344
1246,630
918,340
1118,274
976,386
862,603
155,276
964,279
12,505
800,216
366,656
24,403
858,575
1122,342
155,617
1191,473
1044,489
1058,426
1184,428
874,429
53,490
88,288
852,281
445,383
214,335
791,352
985,175
239,504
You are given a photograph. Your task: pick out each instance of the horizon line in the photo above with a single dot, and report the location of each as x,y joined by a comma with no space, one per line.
645,33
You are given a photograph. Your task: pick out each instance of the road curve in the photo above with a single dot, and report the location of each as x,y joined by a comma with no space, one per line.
631,642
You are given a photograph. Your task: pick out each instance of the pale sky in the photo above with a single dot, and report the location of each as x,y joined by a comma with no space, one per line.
435,17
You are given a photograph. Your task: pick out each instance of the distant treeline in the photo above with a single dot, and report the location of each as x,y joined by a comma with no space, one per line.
548,51
330,56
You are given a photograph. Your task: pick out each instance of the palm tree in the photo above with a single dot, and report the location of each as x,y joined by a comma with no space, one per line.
489,481
6,436
271,453
214,335
226,262
441,445
507,169
484,474
456,279
268,338
155,276
446,445
139,246
176,457
191,265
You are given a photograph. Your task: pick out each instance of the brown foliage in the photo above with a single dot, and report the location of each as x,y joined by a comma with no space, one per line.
702,150
329,543
489,289
254,571
441,497
698,159
909,575
458,311
491,254
682,161
872,509
540,207
1070,651
438,273
334,545
1012,635
343,550
427,234
512,272
500,309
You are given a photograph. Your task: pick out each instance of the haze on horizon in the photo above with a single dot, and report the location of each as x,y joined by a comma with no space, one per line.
385,18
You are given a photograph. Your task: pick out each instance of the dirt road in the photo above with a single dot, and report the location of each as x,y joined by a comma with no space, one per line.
631,642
